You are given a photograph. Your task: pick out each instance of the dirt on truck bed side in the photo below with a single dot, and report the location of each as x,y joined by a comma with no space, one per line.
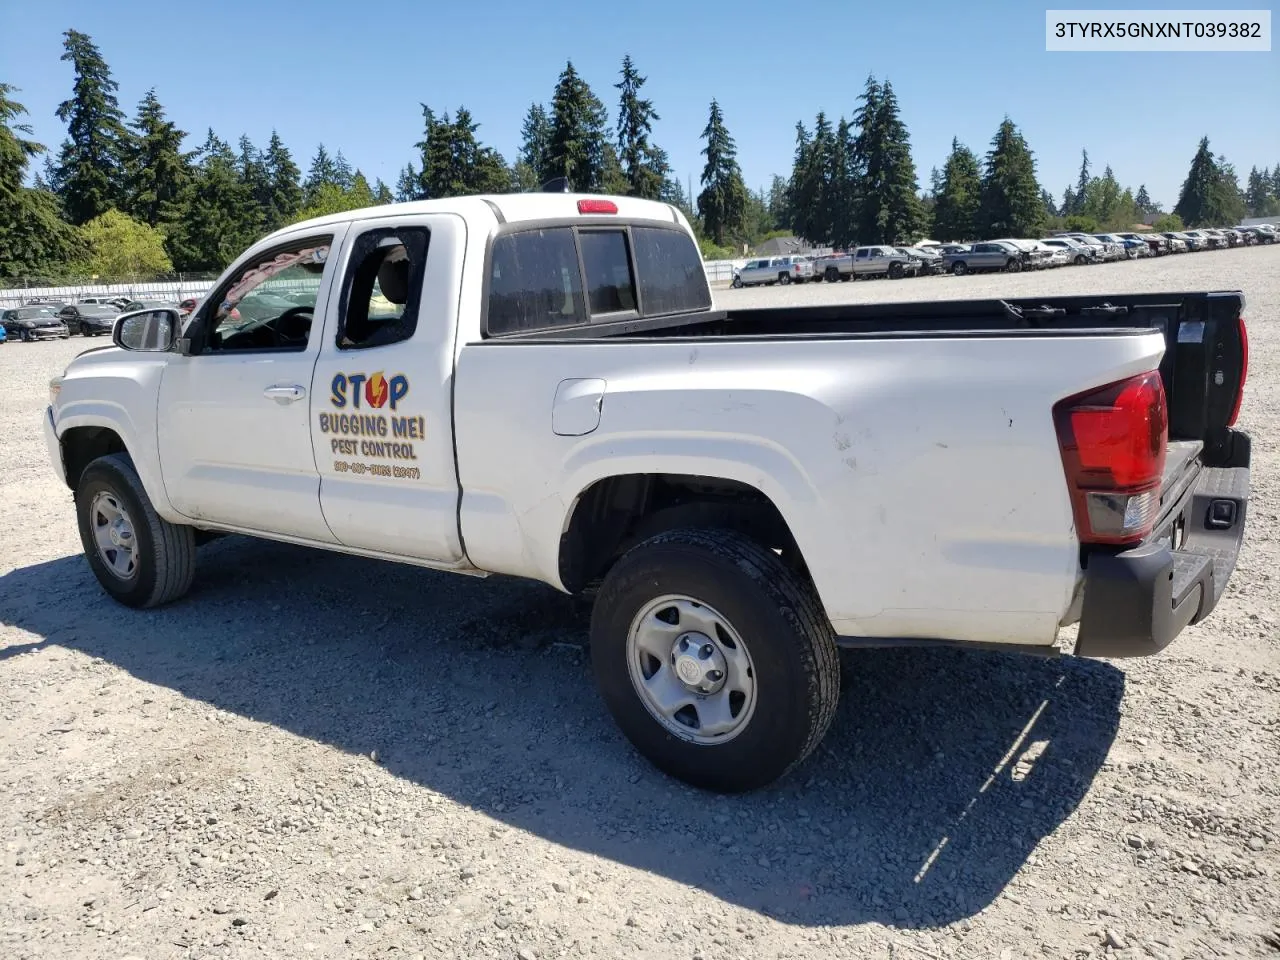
321,756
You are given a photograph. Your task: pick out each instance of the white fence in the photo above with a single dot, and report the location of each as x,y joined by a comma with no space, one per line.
719,273
159,290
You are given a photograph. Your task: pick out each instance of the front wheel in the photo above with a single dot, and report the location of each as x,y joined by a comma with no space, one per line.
715,658
1081,259
959,269
737,283
784,278
832,275
139,558
895,271
1014,266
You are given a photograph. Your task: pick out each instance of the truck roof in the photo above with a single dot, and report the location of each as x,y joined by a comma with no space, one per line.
508,208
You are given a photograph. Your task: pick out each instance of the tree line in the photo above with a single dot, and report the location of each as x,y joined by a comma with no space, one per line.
126,196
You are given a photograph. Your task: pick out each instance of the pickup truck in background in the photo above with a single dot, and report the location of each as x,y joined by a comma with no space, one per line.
770,270
867,262
541,386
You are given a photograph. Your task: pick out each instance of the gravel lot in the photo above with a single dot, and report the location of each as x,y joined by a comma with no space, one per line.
320,756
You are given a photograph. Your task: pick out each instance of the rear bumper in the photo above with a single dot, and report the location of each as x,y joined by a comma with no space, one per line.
1137,601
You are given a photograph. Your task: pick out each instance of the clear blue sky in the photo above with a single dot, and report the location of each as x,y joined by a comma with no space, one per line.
353,74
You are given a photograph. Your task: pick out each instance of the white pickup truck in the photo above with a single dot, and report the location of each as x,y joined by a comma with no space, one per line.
541,385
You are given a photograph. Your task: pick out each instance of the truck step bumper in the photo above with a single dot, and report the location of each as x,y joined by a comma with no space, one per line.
1137,601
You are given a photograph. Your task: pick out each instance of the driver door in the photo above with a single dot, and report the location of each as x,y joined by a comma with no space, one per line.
234,429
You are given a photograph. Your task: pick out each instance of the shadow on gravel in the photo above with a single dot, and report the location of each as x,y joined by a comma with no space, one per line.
941,774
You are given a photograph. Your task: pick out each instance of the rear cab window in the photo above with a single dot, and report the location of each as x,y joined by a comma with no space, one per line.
574,276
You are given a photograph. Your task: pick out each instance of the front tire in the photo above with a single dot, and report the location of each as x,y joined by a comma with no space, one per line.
139,558
959,269
715,659
737,283
784,279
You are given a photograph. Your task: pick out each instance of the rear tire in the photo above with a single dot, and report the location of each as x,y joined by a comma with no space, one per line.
1080,259
784,278
712,600
831,275
139,558
959,269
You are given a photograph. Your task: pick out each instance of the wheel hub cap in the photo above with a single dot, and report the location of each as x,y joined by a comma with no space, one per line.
113,535
691,670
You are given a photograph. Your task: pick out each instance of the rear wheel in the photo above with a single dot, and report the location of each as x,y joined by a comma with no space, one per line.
139,558
715,658
1081,259
960,269
832,274
784,278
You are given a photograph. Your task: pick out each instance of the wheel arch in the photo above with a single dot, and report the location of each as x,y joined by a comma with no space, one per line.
615,512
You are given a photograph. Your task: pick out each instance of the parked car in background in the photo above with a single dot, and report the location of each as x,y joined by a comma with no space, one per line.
1056,256
89,319
1261,233
929,261
1157,245
947,248
33,323
3,335
1103,252
1207,240
1079,253
1192,243
985,256
133,305
1033,256
1130,249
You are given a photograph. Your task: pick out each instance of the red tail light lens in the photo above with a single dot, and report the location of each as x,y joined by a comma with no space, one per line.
1114,441
1244,373
597,206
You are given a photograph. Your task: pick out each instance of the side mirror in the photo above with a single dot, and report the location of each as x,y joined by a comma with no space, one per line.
146,331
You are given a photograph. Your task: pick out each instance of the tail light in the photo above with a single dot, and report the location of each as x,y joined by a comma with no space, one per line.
1244,373
1114,440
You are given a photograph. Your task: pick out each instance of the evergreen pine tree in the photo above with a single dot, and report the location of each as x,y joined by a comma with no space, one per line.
91,164
1010,205
955,215
284,198
635,127
158,168
219,218
1210,194
323,172
382,193
1082,185
342,173
723,201
409,185
576,147
1143,201
535,140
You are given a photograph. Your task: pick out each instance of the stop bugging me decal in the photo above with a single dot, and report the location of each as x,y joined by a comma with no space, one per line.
368,426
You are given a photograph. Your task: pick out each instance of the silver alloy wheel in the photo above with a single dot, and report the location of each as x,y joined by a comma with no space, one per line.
113,535
691,670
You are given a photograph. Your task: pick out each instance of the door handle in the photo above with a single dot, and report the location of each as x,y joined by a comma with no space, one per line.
285,394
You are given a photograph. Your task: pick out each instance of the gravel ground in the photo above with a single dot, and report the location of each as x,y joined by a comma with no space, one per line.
321,756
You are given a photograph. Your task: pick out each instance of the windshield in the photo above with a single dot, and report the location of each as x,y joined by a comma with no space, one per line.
96,310
34,313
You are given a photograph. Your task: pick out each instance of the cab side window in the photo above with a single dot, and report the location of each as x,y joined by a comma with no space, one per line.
269,304
381,294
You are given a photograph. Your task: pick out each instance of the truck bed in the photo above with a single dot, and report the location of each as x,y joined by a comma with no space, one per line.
1204,360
